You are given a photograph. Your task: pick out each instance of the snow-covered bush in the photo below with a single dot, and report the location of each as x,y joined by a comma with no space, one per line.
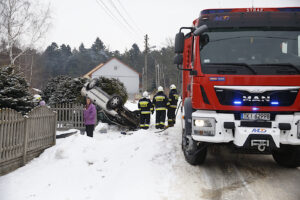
63,89
14,91
113,86
52,85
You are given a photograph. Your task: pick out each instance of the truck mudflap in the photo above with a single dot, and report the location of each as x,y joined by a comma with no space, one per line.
209,126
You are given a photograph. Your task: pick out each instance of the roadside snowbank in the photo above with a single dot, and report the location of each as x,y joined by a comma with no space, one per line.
145,165
108,166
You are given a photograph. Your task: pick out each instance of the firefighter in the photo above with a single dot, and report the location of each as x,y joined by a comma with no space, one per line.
146,108
160,101
173,99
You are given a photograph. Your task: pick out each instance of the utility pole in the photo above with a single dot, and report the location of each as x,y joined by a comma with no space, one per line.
143,79
146,61
157,72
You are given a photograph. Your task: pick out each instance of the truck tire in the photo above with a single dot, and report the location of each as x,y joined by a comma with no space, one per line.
194,152
114,102
287,156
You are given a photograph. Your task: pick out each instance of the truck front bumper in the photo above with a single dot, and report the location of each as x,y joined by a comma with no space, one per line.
242,135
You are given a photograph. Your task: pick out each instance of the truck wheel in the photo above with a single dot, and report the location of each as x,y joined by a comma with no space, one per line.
114,102
287,156
194,152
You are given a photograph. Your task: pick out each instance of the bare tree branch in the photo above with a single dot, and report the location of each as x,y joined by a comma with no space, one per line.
22,22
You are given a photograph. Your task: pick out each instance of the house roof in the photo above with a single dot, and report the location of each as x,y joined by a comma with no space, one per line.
89,74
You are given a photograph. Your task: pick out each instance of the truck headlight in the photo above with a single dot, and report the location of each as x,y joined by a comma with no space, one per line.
202,123
298,129
204,126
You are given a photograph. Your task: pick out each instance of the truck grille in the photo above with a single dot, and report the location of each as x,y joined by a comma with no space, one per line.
266,98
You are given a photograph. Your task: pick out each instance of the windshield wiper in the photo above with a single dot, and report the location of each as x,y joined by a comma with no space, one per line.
235,65
279,65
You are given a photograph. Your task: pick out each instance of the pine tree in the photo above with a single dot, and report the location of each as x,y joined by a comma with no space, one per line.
82,49
113,86
98,46
52,86
65,51
52,60
68,91
14,91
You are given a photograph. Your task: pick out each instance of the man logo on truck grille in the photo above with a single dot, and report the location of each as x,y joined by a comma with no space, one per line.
256,98
259,130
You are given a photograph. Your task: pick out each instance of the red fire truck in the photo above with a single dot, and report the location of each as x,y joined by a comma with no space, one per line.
241,81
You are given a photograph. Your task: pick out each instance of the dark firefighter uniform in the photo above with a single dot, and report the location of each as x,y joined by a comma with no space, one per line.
173,99
160,100
146,108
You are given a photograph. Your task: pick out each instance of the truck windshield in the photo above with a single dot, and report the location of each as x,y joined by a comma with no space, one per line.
251,52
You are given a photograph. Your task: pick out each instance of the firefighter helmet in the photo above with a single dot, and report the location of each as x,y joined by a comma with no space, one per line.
172,87
160,89
145,94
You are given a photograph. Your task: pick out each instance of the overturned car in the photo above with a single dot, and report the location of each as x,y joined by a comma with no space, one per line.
111,105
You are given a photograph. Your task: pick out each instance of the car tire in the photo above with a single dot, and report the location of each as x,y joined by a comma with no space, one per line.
92,84
115,102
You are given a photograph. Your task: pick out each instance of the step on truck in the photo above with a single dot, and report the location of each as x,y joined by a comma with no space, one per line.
241,81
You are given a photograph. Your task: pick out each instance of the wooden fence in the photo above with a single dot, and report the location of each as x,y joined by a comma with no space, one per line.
24,138
69,115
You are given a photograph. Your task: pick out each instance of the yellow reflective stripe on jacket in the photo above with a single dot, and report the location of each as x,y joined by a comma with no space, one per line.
161,108
173,106
143,103
145,112
160,98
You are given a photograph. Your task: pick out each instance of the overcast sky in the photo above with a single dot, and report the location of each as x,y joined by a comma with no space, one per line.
77,21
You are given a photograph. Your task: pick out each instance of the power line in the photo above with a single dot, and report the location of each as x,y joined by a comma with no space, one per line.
122,17
129,16
112,16
108,12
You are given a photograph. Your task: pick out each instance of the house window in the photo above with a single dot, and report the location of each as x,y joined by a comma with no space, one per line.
116,67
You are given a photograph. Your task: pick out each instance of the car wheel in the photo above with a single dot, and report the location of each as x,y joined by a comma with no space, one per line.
92,84
114,102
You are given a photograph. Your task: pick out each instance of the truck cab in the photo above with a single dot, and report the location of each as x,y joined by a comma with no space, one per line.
241,81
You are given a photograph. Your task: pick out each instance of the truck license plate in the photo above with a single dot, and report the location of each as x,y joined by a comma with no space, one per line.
255,116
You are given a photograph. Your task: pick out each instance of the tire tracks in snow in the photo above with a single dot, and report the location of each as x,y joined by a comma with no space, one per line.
226,180
248,177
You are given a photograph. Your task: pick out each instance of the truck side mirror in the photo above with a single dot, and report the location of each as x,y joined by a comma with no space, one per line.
179,42
200,30
178,59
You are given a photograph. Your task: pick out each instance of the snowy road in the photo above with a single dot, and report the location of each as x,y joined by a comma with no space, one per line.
146,165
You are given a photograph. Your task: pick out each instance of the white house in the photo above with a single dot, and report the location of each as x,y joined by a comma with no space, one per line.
115,68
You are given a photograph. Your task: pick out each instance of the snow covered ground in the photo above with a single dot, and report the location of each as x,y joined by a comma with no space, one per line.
145,165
